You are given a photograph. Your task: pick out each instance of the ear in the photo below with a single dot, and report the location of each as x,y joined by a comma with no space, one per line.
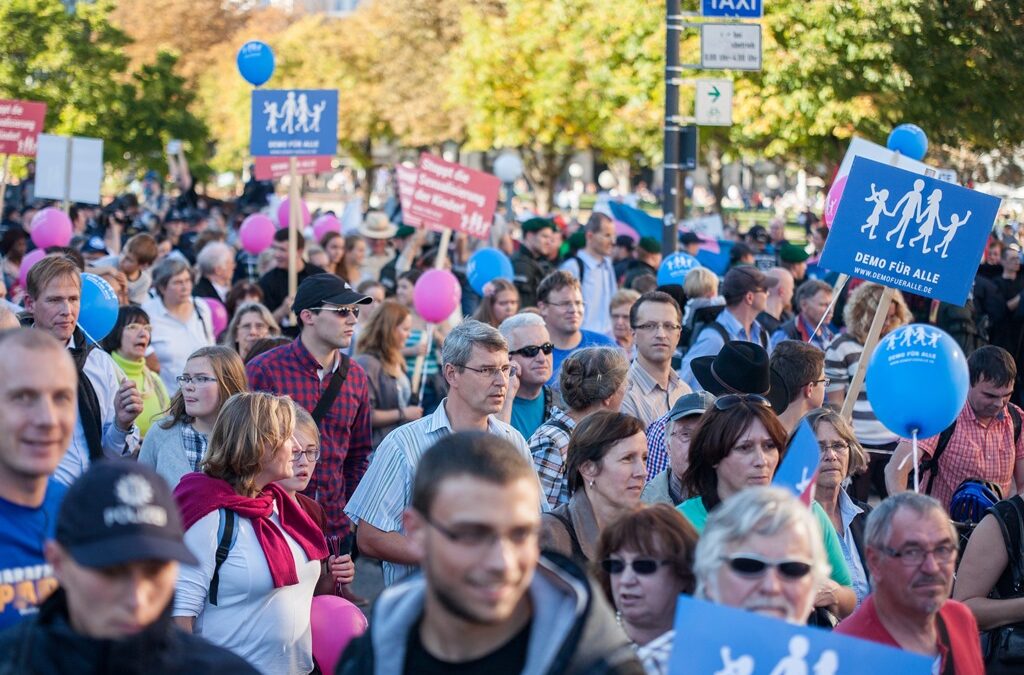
589,470
29,304
873,558
416,531
449,374
54,555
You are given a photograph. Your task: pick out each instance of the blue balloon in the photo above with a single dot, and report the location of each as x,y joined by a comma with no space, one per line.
909,140
486,265
256,62
674,268
917,379
98,312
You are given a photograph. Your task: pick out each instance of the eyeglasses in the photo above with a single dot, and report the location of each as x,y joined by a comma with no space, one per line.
643,566
838,447
912,556
752,566
654,326
185,380
530,351
340,311
490,371
311,455
825,381
577,304
481,537
730,401
144,327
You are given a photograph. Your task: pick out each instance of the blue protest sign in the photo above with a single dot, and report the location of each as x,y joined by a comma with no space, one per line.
799,468
727,641
716,258
909,231
294,122
674,268
747,9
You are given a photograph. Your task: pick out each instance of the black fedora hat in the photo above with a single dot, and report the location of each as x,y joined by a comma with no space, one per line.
741,368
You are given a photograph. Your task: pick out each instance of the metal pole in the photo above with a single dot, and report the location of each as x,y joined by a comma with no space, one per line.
669,182
508,202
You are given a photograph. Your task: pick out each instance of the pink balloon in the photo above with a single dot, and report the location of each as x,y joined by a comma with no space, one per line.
835,195
256,233
334,622
324,224
284,210
436,295
219,313
30,259
621,228
50,227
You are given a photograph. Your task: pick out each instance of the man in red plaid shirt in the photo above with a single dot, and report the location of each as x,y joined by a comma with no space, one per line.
327,309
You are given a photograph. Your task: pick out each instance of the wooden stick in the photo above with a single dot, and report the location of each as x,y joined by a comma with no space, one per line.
419,371
67,176
442,248
874,333
294,216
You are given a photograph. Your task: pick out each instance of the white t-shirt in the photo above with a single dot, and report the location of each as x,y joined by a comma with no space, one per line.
268,627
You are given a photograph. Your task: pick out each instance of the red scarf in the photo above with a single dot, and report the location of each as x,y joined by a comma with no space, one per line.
198,494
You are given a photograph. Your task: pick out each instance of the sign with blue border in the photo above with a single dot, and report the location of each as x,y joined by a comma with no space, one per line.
294,122
740,9
910,232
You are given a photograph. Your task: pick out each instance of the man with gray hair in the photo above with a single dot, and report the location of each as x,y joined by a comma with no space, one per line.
529,400
911,555
216,263
475,364
762,551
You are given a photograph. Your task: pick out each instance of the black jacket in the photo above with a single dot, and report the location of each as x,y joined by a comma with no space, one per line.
204,289
46,643
529,271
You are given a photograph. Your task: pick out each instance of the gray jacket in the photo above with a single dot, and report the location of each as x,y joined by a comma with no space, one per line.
657,492
573,630
164,450
383,392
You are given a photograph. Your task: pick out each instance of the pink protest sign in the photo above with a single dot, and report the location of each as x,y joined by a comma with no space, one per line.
453,196
406,178
20,124
268,168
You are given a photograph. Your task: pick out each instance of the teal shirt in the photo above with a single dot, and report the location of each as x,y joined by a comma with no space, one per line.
527,415
695,512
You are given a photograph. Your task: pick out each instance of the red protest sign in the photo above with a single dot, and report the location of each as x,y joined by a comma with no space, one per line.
268,168
20,124
406,178
453,196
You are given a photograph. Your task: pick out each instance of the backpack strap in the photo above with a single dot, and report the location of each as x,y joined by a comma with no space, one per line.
577,549
227,532
931,464
331,392
1015,419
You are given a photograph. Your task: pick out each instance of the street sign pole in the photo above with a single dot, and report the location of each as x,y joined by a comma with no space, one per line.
670,182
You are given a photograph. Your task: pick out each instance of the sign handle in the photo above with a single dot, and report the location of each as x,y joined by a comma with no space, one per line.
294,216
3,183
836,290
442,248
419,371
67,175
874,333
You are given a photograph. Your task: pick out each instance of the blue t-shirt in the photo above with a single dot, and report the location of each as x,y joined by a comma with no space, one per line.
527,415
25,578
590,339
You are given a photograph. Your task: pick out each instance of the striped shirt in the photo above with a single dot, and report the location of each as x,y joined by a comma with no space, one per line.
645,398
841,361
548,446
385,491
430,364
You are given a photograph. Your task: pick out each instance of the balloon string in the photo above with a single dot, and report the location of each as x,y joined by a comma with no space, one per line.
913,445
91,338
835,298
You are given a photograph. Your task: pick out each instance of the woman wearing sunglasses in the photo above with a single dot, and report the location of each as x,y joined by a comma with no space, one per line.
379,352
646,561
606,468
739,444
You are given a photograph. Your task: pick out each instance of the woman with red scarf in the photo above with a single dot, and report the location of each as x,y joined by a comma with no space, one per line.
259,553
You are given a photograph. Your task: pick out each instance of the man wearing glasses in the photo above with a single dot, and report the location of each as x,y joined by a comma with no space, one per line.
652,387
560,300
798,383
487,601
475,364
529,345
911,554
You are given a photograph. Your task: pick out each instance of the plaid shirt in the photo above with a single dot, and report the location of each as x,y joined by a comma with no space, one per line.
548,445
657,452
344,432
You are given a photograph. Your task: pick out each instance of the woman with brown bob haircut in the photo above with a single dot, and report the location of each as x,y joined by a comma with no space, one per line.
645,560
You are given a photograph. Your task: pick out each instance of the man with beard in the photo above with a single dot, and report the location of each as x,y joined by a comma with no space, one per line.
529,350
911,554
487,602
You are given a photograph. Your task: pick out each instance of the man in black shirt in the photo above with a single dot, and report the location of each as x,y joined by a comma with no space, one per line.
275,282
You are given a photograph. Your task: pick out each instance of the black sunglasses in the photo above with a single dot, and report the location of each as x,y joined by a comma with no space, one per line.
643,566
530,351
749,565
340,311
732,400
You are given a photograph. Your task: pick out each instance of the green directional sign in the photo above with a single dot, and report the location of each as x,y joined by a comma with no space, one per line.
713,103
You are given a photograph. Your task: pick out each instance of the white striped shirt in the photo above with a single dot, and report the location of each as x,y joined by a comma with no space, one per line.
842,358
385,491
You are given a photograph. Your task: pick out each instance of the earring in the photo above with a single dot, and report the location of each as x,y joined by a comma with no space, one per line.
591,483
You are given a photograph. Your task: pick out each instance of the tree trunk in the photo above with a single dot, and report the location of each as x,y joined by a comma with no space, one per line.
714,164
543,165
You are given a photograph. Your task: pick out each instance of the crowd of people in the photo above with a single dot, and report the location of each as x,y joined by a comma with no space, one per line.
540,477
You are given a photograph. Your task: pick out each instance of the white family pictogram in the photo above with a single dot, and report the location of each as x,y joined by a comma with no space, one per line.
295,115
794,663
913,207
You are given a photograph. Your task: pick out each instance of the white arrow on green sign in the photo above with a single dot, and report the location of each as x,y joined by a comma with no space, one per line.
713,103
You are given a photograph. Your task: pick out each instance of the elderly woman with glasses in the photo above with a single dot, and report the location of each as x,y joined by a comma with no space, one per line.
127,344
646,561
740,444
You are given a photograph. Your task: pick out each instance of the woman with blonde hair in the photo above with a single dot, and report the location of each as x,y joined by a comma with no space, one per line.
250,323
842,359
176,444
379,352
500,301
252,591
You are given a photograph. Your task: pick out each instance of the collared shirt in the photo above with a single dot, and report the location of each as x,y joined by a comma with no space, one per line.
710,342
106,378
645,398
988,452
385,492
847,512
344,431
174,341
657,451
598,287
547,448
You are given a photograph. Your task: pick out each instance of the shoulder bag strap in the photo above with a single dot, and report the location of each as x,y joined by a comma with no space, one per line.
331,392
225,542
948,665
932,464
577,549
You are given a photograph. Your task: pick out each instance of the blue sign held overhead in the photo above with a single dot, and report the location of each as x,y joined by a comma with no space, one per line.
743,9
799,469
727,641
909,232
294,122
674,268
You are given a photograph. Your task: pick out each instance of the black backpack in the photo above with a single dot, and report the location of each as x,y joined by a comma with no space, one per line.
704,318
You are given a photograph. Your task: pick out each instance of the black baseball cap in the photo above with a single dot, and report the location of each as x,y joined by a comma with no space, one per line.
687,238
120,511
315,290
